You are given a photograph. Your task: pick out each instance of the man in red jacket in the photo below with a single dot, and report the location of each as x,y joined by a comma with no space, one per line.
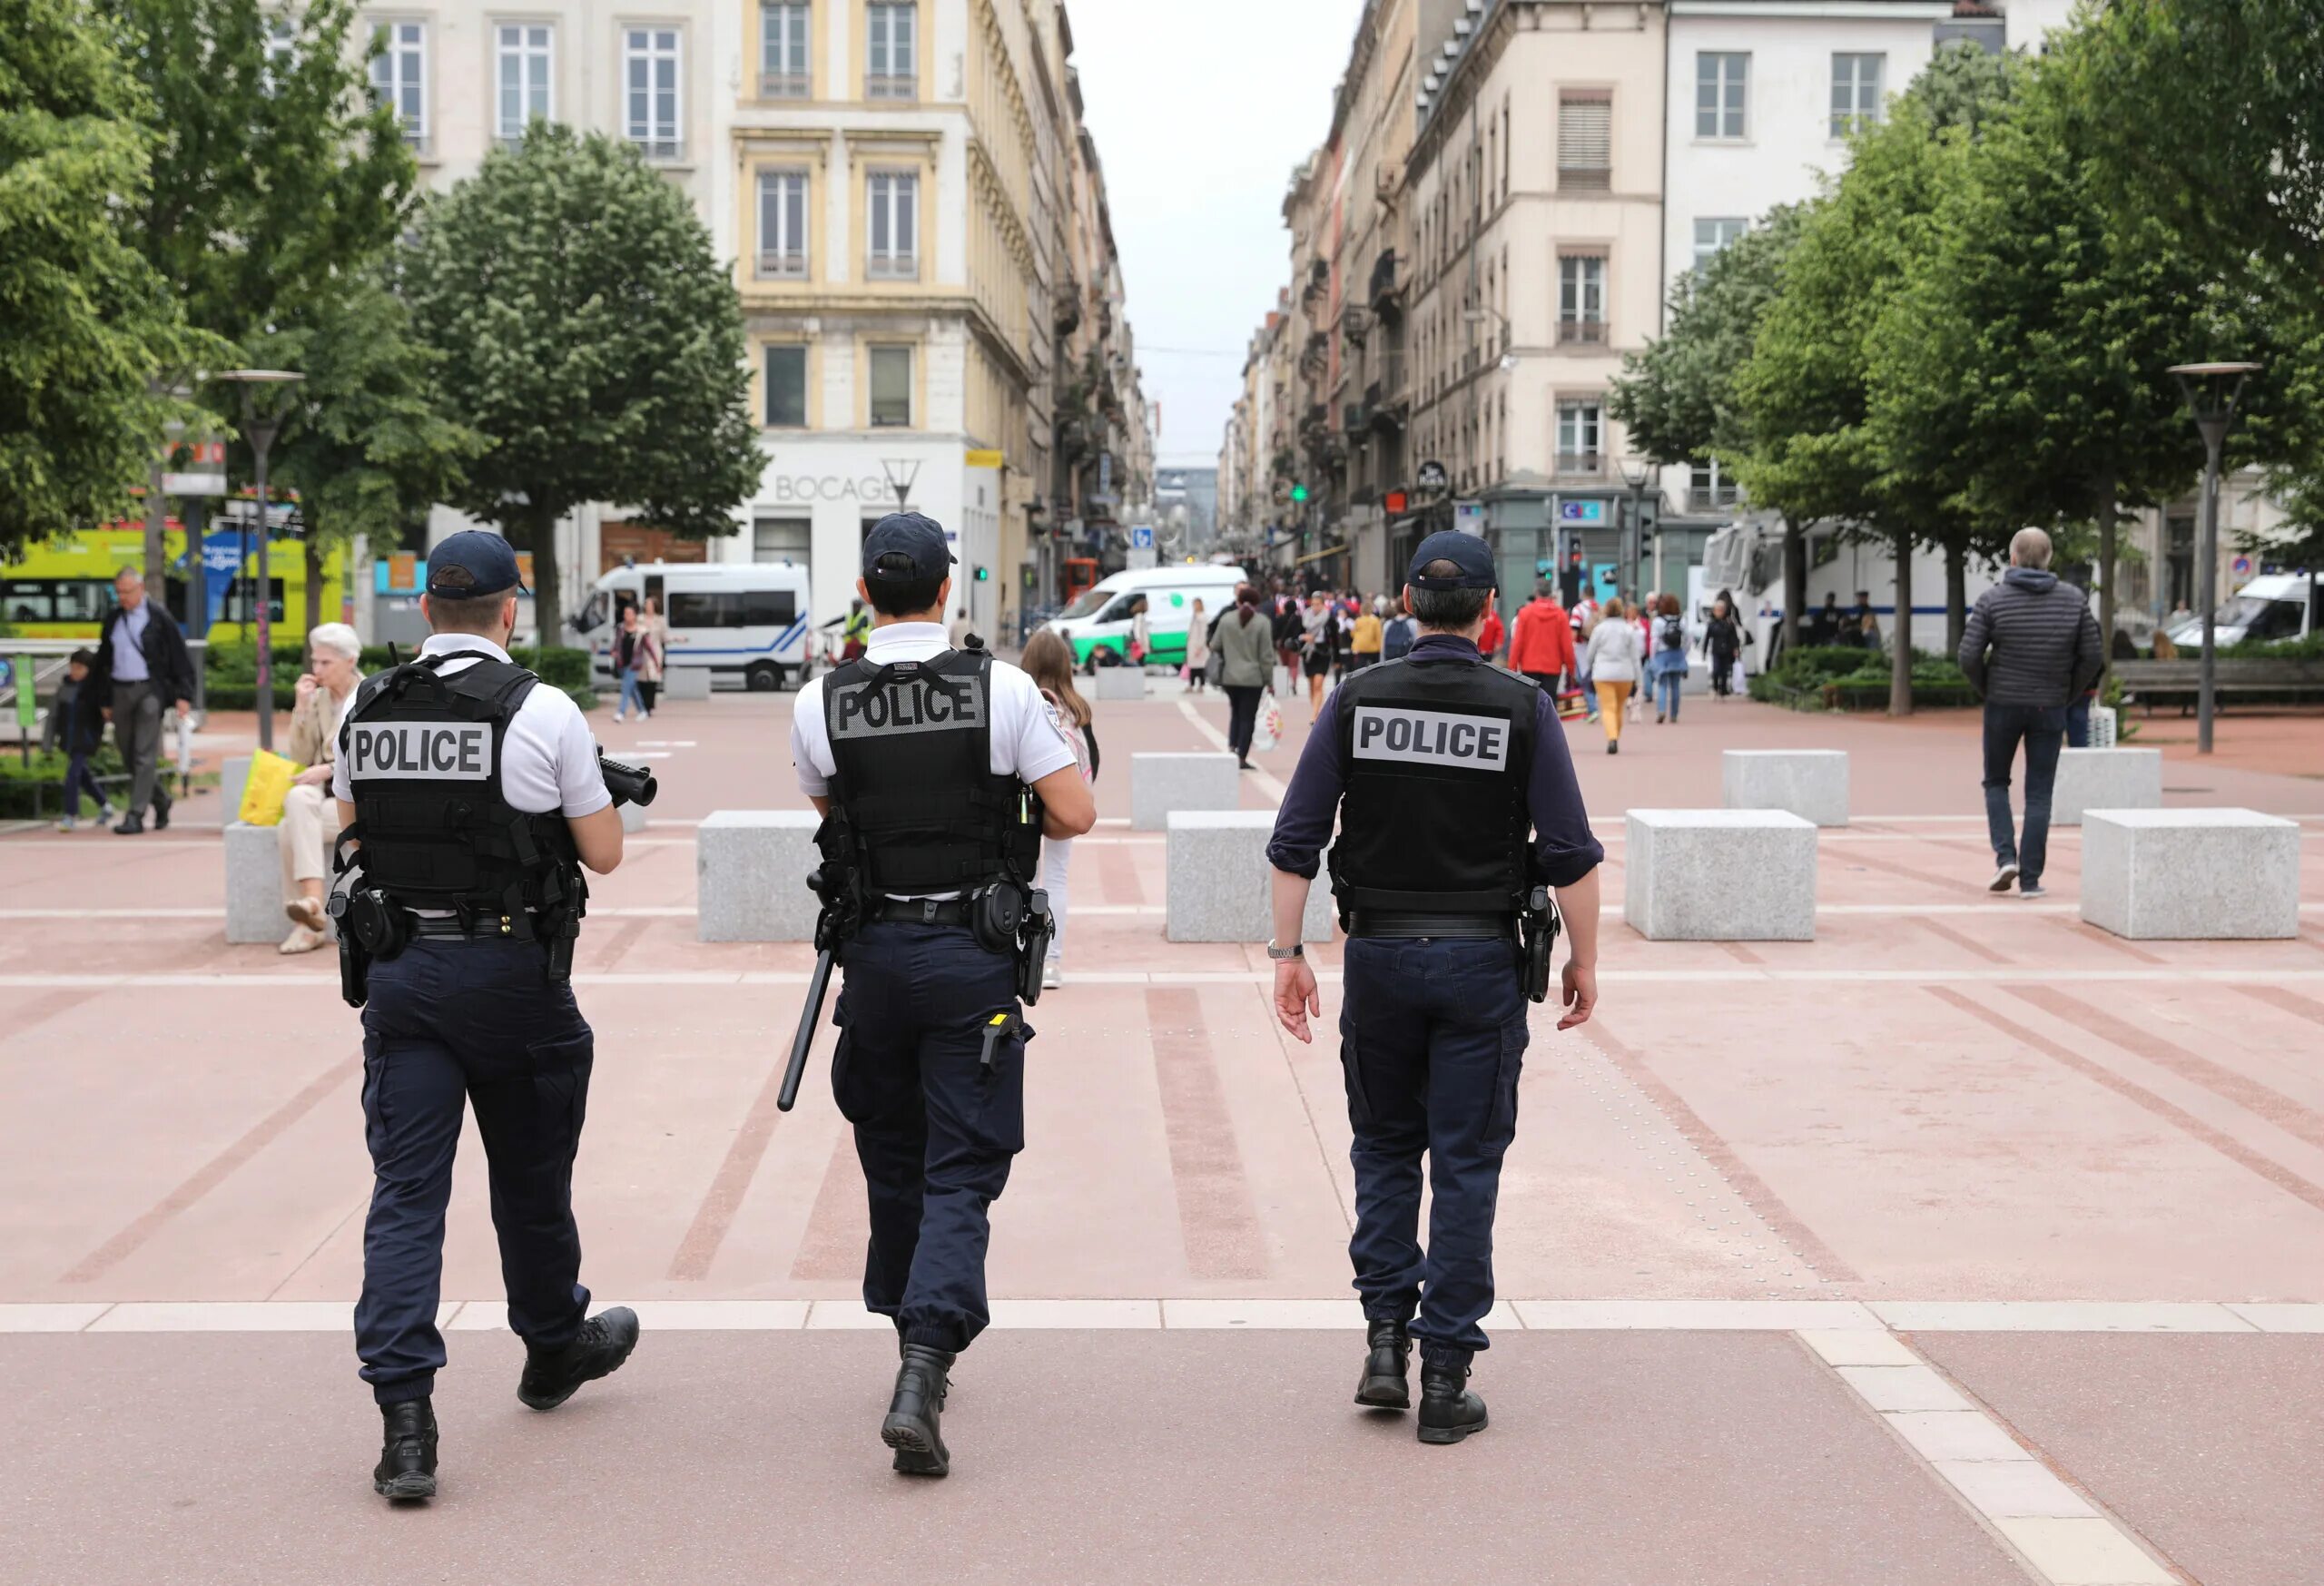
1489,638
1542,645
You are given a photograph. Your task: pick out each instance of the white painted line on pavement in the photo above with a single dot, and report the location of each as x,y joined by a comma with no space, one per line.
2058,1316
2276,1317
50,1318
1709,1315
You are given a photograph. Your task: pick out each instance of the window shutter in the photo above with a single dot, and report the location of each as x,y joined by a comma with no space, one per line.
1585,140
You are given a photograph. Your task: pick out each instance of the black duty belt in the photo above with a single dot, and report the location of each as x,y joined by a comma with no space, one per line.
920,911
1397,924
486,929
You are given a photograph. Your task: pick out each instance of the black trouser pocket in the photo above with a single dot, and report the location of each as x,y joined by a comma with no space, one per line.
1501,1124
997,1119
851,1106
1359,1101
561,1088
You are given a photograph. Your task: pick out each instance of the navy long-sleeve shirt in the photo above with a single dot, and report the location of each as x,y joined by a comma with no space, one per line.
1563,849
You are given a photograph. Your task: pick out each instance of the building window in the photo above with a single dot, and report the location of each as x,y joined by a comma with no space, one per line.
523,74
786,387
400,78
782,539
281,49
1585,141
650,79
784,72
783,224
892,53
1580,430
892,388
1712,235
1709,488
1582,298
894,227
1722,84
1856,91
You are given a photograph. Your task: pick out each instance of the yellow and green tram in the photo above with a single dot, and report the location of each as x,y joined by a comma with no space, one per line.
62,589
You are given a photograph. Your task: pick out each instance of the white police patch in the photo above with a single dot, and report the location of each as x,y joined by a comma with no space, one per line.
1426,737
420,751
912,704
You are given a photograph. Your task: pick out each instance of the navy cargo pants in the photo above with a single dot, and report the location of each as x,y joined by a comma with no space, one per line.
935,1127
451,1022
1432,1039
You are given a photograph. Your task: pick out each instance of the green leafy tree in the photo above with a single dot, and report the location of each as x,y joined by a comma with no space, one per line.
1676,398
275,178
1811,450
366,445
86,325
2023,368
588,332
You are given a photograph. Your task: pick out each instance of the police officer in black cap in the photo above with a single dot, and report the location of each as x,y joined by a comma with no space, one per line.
1458,812
938,772
471,798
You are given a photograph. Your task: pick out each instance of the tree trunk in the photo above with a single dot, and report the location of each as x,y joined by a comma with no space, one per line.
537,532
1900,668
1956,595
314,551
157,512
1795,583
2108,552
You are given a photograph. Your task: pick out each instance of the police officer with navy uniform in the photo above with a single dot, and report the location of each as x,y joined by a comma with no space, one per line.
472,797
938,772
1458,812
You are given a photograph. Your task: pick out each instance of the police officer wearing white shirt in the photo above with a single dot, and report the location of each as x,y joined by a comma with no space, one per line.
471,797
938,772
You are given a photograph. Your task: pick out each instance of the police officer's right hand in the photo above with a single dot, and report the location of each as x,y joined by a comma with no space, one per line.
1580,982
1295,997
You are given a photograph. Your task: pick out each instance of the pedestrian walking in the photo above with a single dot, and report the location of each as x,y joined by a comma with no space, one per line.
1245,641
2030,649
628,643
1367,637
1197,662
1666,657
939,772
1491,637
1615,659
1540,643
652,654
76,727
1398,633
1048,662
142,662
1316,643
1584,618
1454,800
1723,642
474,798
1290,636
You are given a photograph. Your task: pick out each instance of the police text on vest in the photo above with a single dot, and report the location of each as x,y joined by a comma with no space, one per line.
421,751
1432,738
911,705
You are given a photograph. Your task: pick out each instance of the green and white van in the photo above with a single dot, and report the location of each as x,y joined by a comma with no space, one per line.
1100,619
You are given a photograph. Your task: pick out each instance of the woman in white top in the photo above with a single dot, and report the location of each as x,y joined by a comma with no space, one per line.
1197,648
1614,660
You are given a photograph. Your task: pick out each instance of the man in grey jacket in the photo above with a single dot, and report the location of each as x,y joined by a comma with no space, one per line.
2031,649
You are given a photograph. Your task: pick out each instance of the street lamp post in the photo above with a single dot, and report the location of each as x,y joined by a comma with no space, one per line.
1636,472
2213,391
261,425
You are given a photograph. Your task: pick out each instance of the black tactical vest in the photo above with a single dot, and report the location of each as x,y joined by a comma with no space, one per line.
913,789
422,750
1436,756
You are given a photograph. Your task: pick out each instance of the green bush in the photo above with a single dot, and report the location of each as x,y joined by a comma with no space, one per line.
1841,677
2309,649
26,791
229,672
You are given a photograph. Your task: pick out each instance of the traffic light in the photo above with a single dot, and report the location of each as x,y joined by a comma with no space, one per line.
983,574
1299,494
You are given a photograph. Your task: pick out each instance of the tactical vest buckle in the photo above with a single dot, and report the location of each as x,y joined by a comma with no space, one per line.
928,908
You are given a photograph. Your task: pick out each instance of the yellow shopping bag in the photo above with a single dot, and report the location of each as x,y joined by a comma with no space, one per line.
270,783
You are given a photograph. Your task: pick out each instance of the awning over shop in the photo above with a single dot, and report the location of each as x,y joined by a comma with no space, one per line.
1319,556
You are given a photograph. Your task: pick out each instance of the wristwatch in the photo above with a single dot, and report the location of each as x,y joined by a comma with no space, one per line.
1296,950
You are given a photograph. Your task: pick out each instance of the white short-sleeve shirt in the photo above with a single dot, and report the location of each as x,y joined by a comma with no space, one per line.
1026,742
548,760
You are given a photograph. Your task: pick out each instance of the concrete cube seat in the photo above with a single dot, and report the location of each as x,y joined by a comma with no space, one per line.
233,776
1220,885
2105,779
1121,682
254,883
1812,783
633,818
685,683
1160,784
2190,875
1720,875
751,876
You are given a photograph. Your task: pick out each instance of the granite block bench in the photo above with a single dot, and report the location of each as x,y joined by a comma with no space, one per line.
1812,783
1220,885
751,876
1160,784
2190,875
1720,875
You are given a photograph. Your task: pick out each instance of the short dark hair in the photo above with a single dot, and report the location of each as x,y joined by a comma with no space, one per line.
893,596
475,614
1447,608
82,658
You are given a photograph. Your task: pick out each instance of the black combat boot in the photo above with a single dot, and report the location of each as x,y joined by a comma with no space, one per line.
914,1425
1449,1412
552,1376
406,1467
1383,1387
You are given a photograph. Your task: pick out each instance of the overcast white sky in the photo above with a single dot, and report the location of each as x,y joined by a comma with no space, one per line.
1200,109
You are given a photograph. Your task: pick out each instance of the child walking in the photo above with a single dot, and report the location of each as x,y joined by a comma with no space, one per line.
77,726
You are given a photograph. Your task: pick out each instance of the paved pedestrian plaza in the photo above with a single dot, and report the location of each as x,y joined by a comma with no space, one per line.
1965,1244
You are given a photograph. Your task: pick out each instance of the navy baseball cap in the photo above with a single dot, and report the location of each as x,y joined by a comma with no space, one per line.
471,565
1465,551
912,534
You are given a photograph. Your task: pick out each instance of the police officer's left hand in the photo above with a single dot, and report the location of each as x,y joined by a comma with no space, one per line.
1295,997
1581,994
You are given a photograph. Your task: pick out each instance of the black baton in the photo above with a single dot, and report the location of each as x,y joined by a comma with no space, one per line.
818,985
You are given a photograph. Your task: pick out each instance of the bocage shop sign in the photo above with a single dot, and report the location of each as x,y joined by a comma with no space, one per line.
891,481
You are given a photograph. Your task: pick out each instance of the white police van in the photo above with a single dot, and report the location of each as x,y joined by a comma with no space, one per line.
742,621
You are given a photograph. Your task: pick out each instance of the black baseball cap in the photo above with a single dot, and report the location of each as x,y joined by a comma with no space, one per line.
471,565
912,534
1465,551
